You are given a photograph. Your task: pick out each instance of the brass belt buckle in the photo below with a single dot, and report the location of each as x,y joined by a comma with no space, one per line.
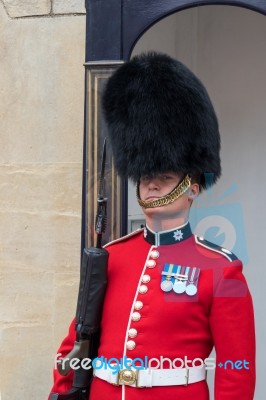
127,377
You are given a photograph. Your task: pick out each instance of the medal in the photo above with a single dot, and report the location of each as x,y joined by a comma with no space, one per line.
167,284
179,287
181,280
191,288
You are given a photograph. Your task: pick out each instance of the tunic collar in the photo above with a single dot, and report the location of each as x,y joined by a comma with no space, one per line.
171,236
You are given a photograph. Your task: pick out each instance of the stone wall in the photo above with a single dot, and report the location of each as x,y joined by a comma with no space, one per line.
33,8
42,45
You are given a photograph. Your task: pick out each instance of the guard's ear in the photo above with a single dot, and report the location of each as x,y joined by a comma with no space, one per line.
193,191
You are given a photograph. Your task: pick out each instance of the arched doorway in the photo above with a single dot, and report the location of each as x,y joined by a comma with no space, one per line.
216,44
114,27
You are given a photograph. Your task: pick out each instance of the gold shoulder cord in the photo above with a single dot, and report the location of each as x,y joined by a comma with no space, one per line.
168,198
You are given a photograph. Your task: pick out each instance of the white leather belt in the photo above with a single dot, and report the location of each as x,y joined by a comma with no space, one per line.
151,377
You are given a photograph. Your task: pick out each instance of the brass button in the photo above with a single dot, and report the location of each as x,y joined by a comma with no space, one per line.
138,305
151,263
143,289
146,278
132,333
135,316
131,345
155,254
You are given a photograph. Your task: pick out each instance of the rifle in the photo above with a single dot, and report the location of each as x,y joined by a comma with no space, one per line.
93,281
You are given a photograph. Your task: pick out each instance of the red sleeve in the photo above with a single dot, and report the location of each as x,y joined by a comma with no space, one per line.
64,383
232,325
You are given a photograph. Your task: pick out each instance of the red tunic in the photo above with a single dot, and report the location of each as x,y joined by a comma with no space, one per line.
175,325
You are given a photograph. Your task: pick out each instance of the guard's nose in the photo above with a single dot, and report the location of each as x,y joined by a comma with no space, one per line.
153,183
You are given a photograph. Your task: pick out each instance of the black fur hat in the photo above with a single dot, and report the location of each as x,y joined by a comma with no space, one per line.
160,118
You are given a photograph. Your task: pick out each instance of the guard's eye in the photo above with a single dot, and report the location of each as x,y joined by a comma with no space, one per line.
165,177
145,178
160,177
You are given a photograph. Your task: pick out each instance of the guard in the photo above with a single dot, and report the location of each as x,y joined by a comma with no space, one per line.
171,296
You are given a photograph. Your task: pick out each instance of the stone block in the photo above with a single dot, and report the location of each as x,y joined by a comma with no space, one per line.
31,294
68,7
42,89
41,188
44,242
26,360
18,8
40,216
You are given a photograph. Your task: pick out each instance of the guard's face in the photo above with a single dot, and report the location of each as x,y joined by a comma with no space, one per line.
159,185
152,187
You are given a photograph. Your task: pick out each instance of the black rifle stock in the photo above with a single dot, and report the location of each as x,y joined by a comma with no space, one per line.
93,281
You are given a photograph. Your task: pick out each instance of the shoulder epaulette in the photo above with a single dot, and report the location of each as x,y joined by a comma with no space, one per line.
214,247
124,237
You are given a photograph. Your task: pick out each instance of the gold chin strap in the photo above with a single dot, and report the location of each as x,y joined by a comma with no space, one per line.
180,189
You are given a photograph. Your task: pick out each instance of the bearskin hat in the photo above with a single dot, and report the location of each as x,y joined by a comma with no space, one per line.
160,118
